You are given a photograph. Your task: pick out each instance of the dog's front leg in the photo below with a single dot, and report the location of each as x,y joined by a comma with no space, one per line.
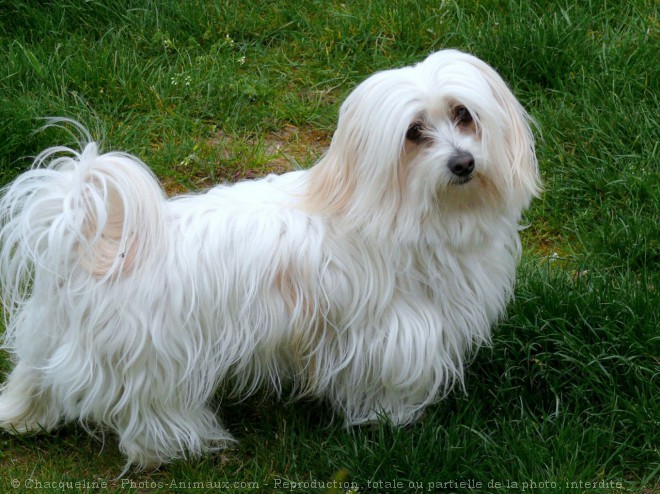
25,406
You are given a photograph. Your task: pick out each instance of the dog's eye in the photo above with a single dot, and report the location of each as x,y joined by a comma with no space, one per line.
462,116
414,132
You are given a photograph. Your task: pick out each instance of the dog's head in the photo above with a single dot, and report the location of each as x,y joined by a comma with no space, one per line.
446,135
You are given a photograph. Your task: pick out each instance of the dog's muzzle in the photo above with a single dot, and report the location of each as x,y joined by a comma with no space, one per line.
461,165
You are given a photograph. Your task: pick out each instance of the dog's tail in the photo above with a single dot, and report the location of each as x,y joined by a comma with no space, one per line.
77,217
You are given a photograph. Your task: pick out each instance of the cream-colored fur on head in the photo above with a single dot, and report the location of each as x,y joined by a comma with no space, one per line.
369,162
366,281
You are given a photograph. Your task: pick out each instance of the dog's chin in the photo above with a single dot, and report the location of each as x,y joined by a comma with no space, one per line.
475,192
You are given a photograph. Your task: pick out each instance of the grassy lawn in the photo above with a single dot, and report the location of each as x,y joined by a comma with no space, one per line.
567,398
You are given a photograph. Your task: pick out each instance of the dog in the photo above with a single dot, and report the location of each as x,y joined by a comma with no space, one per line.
365,281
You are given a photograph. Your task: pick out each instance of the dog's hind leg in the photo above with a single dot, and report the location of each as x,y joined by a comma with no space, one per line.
150,436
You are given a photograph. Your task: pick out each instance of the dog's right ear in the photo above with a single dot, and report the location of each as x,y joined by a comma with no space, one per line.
332,182
360,177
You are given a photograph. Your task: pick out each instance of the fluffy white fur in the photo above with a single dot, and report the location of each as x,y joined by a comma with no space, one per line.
365,280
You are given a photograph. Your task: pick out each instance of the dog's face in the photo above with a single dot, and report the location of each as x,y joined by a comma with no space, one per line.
445,134
443,151
454,127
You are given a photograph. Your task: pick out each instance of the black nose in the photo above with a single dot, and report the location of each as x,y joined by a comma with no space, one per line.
461,164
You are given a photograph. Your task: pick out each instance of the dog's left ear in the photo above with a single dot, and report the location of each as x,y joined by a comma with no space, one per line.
525,182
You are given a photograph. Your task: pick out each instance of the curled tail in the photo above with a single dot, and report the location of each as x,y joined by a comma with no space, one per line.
77,217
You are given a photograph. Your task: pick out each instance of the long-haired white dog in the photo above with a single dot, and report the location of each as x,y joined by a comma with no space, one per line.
365,280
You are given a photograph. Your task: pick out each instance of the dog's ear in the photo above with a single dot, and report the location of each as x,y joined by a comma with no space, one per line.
359,178
333,182
524,180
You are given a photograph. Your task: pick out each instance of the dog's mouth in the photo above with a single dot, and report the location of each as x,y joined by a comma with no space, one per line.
461,180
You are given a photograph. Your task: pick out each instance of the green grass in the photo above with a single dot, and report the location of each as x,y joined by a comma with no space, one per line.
206,92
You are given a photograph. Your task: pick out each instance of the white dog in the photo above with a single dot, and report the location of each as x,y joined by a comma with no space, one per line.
365,280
